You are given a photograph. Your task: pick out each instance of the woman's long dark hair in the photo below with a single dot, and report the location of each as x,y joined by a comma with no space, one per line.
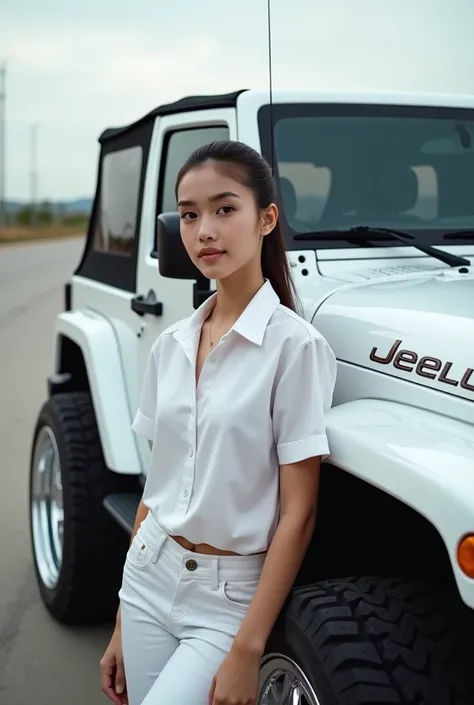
252,171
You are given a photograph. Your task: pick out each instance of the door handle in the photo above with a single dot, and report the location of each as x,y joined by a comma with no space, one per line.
147,304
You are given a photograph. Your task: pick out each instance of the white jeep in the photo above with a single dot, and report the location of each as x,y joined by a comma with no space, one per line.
377,204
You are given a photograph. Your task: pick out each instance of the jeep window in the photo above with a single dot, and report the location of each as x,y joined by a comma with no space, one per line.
179,145
403,167
118,201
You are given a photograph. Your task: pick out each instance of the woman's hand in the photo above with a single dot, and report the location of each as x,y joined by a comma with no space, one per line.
112,670
236,682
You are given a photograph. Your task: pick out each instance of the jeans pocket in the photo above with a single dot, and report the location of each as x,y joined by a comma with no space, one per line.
139,552
238,593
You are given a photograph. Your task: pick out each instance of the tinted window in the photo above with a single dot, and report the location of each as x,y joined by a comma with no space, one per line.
119,189
403,171
179,146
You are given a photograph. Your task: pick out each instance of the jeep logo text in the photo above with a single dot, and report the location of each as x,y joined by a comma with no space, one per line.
426,366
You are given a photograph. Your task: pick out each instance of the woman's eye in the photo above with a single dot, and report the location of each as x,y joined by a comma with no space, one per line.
188,215
227,209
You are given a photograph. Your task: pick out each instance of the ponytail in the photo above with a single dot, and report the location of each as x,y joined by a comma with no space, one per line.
253,171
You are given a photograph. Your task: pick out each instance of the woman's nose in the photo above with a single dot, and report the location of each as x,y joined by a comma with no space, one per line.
206,230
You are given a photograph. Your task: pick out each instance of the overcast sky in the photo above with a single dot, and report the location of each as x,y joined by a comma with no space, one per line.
77,67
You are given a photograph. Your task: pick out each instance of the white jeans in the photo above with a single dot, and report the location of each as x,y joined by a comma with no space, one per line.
180,612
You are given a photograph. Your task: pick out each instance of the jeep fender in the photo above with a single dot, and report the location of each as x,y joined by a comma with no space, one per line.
424,460
96,338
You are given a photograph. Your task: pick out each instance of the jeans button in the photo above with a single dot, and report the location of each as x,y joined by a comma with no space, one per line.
191,565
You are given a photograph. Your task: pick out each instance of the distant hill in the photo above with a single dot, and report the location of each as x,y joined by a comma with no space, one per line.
78,205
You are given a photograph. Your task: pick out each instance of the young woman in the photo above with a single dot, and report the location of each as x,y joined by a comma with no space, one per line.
234,400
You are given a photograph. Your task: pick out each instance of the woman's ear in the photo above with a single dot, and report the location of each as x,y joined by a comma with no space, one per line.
269,219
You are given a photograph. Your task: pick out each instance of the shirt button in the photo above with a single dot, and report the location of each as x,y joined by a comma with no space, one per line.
212,360
185,493
191,452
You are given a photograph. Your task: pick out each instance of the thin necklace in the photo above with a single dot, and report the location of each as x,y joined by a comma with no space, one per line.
210,329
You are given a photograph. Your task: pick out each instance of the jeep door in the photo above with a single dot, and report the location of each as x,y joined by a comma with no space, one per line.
173,140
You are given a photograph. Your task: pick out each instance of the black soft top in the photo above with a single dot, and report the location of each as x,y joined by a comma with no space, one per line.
195,102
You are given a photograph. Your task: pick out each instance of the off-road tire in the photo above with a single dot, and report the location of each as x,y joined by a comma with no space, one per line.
94,546
374,641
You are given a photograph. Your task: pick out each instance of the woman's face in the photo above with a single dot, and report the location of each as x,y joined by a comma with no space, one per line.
221,227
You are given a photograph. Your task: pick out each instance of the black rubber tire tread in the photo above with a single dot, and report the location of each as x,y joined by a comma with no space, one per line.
374,641
94,545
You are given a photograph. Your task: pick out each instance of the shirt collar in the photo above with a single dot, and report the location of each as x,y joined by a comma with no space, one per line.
251,323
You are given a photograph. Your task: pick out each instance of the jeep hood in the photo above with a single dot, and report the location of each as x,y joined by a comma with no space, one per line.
418,327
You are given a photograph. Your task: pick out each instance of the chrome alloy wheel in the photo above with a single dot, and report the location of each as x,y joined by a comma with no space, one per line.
282,682
47,510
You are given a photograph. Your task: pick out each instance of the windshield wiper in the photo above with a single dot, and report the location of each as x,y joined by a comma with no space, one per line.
362,233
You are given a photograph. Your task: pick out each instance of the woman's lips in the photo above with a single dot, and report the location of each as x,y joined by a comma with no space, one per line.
211,257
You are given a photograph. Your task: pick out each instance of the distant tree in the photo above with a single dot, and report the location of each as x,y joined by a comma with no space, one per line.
75,219
23,216
44,214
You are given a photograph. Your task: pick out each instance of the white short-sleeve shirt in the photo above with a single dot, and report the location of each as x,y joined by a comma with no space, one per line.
260,403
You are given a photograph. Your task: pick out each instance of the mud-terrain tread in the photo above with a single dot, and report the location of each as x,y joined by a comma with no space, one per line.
94,545
386,640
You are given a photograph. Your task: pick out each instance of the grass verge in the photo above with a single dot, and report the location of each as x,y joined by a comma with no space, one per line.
13,234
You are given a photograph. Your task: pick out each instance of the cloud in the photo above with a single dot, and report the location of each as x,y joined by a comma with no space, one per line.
79,68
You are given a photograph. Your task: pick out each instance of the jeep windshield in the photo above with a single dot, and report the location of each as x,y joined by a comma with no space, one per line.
401,167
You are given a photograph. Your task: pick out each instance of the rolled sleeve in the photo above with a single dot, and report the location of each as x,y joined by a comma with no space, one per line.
303,397
144,421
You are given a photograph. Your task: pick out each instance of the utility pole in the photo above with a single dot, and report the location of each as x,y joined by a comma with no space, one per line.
3,102
34,174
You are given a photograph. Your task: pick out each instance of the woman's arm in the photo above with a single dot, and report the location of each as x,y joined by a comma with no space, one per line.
303,397
142,511
299,487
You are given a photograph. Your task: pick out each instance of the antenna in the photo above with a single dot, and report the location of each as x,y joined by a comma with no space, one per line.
3,101
270,75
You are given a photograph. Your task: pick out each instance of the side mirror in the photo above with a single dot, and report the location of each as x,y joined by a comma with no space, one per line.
173,260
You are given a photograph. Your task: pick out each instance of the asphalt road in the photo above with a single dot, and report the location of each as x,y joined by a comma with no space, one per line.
41,662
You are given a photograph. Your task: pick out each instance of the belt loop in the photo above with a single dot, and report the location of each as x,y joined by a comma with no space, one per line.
215,573
159,546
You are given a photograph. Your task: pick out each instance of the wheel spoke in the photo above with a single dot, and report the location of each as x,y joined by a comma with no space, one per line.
57,476
274,692
297,696
57,526
40,479
287,690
